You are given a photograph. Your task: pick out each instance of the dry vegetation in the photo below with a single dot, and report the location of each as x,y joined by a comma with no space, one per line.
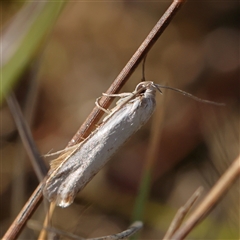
89,45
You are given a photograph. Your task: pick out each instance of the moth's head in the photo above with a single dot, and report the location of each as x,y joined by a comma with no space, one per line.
147,85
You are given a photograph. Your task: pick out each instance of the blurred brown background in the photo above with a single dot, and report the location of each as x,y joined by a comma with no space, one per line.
89,45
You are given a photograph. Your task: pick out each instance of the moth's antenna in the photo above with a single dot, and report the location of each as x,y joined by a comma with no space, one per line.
190,95
143,69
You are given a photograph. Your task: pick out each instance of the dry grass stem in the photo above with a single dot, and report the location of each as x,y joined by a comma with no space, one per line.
26,137
181,213
135,227
214,196
43,233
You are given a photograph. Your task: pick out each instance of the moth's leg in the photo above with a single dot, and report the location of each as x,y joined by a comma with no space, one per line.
103,109
124,97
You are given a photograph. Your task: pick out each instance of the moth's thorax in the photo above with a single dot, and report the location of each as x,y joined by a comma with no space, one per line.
150,92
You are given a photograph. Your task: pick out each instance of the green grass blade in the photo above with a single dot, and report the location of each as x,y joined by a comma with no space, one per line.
23,37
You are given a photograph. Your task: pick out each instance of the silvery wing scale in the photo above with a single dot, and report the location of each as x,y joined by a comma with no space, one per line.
72,174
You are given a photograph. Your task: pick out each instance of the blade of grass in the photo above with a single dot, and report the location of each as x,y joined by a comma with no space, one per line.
22,38
27,138
210,201
181,213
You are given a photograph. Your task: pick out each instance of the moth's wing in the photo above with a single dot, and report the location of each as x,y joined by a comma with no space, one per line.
63,184
56,163
66,153
70,186
60,168
67,149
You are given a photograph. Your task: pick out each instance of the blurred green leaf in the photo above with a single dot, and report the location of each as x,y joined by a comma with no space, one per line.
22,38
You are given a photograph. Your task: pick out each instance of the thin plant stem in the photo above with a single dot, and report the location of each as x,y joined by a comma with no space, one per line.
27,138
181,213
135,227
43,233
28,109
127,71
26,212
210,201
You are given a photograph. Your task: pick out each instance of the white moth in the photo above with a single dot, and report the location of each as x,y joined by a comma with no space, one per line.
72,171
71,174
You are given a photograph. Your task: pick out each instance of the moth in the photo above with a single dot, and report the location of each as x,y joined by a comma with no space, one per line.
71,172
